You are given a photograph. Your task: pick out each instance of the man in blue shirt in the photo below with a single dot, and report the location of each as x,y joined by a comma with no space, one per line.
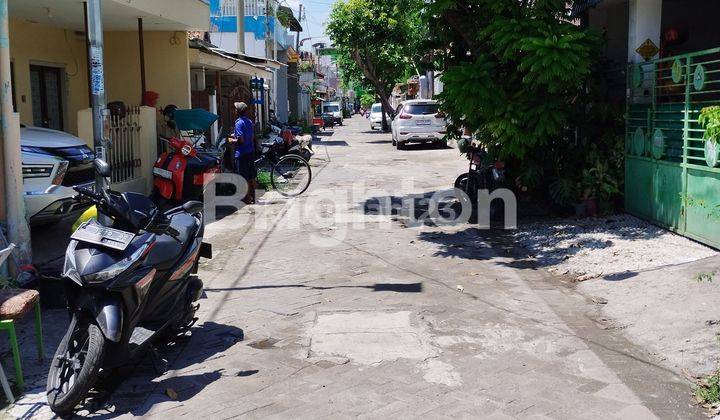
244,140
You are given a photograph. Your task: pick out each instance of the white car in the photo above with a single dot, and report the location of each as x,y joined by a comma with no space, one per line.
335,110
53,163
376,116
418,120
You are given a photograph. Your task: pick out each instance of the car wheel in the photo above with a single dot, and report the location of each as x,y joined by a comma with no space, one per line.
400,146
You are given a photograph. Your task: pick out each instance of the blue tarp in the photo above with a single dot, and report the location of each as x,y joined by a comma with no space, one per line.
196,119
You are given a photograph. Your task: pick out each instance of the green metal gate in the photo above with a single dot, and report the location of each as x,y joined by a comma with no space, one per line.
668,179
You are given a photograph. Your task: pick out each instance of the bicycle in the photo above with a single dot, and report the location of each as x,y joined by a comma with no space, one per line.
290,174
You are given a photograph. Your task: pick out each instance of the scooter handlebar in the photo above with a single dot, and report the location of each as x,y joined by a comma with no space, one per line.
88,192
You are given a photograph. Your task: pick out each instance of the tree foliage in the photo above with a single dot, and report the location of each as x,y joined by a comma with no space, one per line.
375,41
513,70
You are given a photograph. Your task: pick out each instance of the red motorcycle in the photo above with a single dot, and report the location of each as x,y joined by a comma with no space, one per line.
180,173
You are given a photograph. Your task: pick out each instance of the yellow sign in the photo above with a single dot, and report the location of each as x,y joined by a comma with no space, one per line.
647,49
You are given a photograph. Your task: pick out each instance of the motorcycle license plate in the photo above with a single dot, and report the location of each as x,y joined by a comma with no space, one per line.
94,233
162,173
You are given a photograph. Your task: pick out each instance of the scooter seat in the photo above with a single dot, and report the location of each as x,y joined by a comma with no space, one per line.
201,162
185,224
168,249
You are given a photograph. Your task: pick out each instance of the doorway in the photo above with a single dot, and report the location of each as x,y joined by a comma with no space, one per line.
47,101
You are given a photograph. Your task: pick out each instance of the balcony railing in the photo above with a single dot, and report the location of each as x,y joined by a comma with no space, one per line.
252,7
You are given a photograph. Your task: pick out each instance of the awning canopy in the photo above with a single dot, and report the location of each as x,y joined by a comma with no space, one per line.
205,55
118,15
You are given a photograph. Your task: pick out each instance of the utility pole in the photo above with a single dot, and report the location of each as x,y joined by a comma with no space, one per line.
97,85
18,231
241,26
267,28
297,41
277,5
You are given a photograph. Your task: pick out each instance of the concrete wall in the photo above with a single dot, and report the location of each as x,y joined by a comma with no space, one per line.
282,106
612,21
229,42
644,20
696,20
47,45
166,67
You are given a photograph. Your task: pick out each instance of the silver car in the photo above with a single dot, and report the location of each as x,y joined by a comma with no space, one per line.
418,120
53,163
376,116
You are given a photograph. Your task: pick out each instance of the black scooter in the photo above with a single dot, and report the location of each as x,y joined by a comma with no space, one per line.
126,283
482,174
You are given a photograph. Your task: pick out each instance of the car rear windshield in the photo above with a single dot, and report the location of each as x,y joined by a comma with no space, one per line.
376,108
331,108
421,109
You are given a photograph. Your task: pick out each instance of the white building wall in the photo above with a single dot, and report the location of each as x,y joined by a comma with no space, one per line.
253,46
226,40
644,23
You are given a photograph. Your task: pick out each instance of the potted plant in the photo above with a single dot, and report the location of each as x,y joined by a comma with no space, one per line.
597,183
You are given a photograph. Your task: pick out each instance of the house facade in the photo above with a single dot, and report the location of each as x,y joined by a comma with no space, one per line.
259,29
667,56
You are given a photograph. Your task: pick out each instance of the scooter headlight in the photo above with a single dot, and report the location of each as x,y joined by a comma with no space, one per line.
117,268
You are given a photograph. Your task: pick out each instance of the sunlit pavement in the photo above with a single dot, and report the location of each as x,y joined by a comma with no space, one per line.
317,310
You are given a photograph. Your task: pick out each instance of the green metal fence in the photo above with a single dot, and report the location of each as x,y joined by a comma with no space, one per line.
671,173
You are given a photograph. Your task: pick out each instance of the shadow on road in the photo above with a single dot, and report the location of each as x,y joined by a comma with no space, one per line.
377,287
414,147
134,389
529,247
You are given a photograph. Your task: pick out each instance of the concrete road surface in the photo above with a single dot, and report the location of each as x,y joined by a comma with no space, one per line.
345,303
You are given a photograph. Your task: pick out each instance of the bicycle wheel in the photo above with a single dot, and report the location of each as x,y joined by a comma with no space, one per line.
291,175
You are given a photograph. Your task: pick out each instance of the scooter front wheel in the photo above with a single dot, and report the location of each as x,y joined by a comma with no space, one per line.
75,365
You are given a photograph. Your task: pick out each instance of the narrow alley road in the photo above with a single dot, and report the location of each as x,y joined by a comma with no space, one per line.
317,311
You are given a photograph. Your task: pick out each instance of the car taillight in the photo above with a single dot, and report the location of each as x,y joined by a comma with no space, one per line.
405,116
499,164
60,174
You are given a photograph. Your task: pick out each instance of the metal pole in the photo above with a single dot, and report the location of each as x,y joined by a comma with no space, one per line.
275,20
297,40
97,85
18,231
87,54
267,28
141,41
241,26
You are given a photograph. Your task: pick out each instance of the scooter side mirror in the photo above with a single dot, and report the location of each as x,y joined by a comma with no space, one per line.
102,168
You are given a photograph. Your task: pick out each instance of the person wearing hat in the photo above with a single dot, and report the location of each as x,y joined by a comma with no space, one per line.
244,141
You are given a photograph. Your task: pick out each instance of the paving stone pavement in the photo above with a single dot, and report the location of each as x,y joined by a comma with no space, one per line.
314,310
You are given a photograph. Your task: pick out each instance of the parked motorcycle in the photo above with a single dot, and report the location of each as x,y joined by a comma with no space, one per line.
483,174
179,173
285,142
126,283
